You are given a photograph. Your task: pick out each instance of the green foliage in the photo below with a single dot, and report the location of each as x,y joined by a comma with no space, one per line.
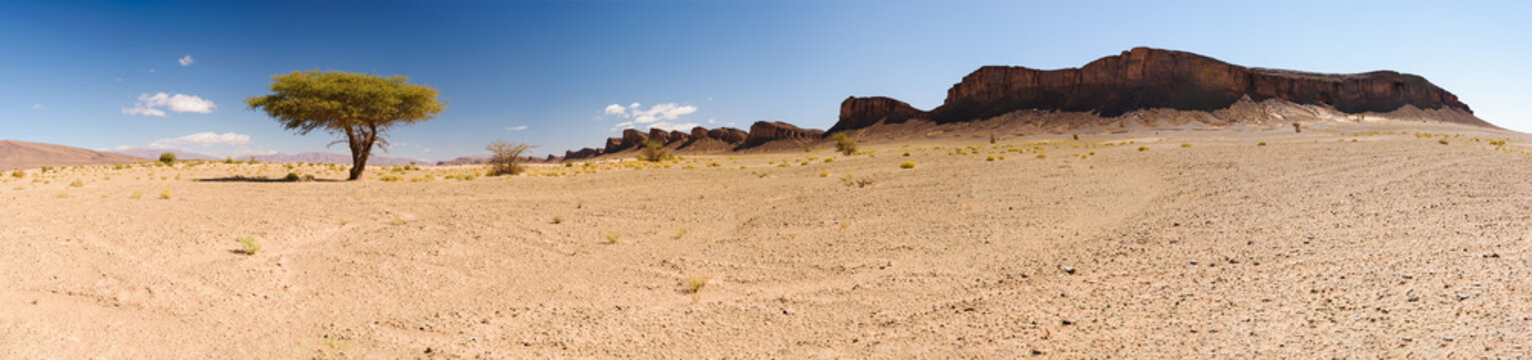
18,174
612,237
358,107
168,158
654,151
507,157
248,245
844,144
390,178
292,177
77,183
1263,143
907,165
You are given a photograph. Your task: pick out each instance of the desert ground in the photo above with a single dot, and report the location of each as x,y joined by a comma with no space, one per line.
1396,240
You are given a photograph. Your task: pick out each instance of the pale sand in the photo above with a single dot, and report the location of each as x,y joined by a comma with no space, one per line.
1313,246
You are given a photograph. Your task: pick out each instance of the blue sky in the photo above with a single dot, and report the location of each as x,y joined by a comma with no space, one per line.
88,74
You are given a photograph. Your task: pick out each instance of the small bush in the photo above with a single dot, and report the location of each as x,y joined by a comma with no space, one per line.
77,183
136,195
168,158
248,245
992,138
654,151
1442,141
989,158
1263,143
844,144
424,178
1143,148
292,177
507,157
558,220
397,222
1186,145
390,178
694,285
1042,155
165,195
612,237
680,233
907,165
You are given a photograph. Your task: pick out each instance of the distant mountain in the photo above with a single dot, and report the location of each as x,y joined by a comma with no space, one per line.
154,154
307,157
21,155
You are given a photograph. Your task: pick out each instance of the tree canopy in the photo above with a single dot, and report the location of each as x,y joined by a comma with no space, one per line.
359,107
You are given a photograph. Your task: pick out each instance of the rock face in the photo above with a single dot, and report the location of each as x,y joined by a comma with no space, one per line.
856,113
1145,78
585,153
728,135
767,131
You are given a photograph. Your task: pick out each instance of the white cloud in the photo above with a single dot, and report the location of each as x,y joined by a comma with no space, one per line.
615,109
186,60
661,116
37,106
517,128
151,70
202,138
149,105
683,127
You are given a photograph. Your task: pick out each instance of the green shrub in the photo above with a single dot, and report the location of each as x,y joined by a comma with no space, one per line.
390,178
77,183
844,144
1263,143
654,151
1143,148
168,158
1186,145
907,165
292,177
612,237
248,245
506,157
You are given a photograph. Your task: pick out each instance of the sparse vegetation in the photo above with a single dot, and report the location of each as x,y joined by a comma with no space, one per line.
292,177
507,157
390,178
165,195
1442,141
1143,148
18,174
907,165
612,237
248,245
168,158
1186,145
136,195
558,220
844,144
680,233
654,151
77,183
397,222
1263,143
693,286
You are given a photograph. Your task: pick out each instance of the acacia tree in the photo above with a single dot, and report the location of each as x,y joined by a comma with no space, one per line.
359,107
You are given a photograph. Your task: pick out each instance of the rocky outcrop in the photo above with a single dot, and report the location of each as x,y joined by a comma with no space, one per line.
768,131
585,153
856,113
728,135
1145,78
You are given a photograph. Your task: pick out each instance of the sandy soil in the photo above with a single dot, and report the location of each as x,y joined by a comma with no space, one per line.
1325,243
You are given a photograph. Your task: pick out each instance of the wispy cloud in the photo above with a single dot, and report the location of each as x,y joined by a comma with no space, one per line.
151,105
37,106
202,138
661,116
187,60
517,128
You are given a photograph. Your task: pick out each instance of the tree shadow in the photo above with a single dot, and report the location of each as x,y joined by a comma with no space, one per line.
247,179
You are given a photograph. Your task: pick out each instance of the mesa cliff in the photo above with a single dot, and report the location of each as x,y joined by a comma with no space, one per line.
1141,79
1146,78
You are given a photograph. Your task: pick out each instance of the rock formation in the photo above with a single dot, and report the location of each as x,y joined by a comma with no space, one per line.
1145,78
767,131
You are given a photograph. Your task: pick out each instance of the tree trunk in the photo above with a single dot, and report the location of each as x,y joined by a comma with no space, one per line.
361,141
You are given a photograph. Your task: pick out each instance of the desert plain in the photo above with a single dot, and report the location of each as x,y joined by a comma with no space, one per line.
1386,239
